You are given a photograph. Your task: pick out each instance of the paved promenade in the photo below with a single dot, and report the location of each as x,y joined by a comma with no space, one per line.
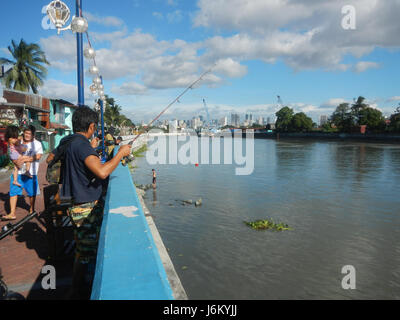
23,254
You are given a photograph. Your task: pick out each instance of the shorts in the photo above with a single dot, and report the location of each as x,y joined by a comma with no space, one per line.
31,186
87,219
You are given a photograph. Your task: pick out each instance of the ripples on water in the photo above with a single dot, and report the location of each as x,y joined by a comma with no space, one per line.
341,198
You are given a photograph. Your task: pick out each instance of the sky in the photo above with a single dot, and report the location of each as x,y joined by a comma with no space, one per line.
314,54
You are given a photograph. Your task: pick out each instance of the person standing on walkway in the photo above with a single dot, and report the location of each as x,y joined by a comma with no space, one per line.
82,180
29,183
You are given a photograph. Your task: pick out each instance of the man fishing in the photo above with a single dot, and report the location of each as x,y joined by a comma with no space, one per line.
82,180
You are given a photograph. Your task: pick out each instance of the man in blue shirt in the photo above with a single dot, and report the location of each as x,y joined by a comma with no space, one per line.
82,177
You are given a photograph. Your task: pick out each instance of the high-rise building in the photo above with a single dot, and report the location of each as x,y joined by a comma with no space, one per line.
235,120
323,119
223,121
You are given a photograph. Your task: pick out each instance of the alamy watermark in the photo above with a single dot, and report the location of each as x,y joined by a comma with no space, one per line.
49,280
195,150
349,280
349,21
46,23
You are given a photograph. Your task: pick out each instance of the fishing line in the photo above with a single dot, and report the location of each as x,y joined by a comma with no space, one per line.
174,101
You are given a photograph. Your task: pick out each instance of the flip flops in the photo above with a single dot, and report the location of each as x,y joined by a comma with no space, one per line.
7,218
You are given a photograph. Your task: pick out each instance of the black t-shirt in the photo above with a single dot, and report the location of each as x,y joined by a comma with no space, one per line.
78,181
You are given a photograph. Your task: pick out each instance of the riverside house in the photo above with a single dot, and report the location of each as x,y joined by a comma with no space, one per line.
23,108
52,118
60,118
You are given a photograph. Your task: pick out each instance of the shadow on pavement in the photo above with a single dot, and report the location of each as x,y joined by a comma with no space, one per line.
21,203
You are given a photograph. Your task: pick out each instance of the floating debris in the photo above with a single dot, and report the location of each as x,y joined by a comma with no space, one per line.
198,202
267,224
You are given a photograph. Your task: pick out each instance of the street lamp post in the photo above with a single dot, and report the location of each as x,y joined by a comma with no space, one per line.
79,47
103,149
59,14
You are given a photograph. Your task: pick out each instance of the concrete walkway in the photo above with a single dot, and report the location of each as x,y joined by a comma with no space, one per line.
23,254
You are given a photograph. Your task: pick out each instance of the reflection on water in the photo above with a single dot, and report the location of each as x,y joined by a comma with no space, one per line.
341,198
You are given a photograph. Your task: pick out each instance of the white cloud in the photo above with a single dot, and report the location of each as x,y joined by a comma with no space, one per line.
230,68
60,51
363,66
56,89
106,21
395,98
306,34
172,2
333,103
130,88
158,15
175,17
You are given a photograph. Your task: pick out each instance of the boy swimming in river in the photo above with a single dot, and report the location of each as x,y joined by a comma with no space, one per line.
17,149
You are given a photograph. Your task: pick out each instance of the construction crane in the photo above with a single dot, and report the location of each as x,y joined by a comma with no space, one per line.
208,115
280,102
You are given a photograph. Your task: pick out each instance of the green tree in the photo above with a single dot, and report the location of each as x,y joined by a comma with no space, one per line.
111,112
357,110
373,118
284,119
301,123
394,125
113,116
28,68
342,117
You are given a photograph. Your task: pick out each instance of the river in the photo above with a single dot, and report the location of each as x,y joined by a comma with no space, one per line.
341,198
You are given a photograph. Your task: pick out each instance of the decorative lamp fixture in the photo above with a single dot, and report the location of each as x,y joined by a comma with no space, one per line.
79,24
100,87
93,88
89,53
58,13
101,93
97,81
94,70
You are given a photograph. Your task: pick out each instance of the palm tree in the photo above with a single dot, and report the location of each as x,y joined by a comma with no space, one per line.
28,70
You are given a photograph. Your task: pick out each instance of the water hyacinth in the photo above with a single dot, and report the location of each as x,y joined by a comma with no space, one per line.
267,224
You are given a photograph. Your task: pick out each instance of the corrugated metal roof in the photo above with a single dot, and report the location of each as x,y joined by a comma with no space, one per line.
22,105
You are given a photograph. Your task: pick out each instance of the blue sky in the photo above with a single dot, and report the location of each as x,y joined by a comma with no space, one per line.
148,51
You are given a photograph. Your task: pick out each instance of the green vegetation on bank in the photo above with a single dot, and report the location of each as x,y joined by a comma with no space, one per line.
267,224
346,118
139,152
113,116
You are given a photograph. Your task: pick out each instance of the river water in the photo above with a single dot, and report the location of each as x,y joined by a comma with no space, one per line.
341,198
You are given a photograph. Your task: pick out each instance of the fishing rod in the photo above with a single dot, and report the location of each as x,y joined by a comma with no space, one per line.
167,107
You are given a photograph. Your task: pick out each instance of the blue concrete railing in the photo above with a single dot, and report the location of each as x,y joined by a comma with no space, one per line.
128,264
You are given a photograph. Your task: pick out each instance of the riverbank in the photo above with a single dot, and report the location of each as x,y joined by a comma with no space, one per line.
334,136
176,285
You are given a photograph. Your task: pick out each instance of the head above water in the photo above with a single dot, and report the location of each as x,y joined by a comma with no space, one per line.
85,121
